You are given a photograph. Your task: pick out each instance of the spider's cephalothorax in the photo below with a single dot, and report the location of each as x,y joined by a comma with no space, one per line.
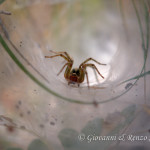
75,75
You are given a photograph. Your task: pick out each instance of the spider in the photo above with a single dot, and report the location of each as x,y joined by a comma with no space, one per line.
75,75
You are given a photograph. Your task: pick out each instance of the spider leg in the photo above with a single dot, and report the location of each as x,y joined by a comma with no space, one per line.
87,78
96,76
64,53
68,64
94,67
62,68
61,55
92,60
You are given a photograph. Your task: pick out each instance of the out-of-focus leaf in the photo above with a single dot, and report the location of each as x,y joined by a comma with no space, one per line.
68,137
93,127
147,109
1,1
11,148
129,113
37,145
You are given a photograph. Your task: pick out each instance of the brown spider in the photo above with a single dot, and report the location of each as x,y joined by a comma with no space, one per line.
75,75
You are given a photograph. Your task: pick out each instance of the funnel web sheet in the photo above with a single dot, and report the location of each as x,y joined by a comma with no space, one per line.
34,98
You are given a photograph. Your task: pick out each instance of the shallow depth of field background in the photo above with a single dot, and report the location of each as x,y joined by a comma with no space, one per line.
35,103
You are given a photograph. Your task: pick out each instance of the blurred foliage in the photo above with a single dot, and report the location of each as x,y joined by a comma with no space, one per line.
14,149
96,127
36,144
1,1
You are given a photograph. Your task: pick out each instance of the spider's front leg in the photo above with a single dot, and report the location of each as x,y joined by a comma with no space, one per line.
61,55
69,63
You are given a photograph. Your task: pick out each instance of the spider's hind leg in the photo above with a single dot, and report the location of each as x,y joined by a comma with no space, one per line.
89,60
94,68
